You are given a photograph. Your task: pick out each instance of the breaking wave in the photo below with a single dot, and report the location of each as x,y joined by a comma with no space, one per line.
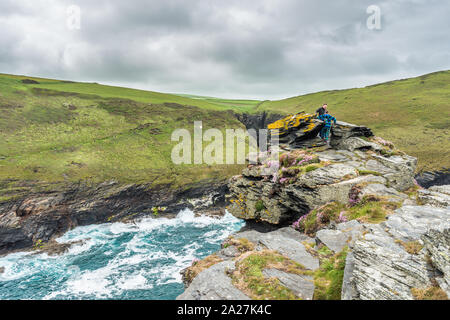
142,260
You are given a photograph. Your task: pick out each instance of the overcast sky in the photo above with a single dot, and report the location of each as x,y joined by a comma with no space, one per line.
264,49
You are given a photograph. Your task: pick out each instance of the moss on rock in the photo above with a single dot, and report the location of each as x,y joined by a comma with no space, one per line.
370,209
249,278
241,244
328,278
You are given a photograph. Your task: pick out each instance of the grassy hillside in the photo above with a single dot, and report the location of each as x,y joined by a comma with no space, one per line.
248,106
58,132
413,113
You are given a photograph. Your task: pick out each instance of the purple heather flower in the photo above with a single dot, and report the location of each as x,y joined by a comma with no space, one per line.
342,217
305,160
275,178
273,164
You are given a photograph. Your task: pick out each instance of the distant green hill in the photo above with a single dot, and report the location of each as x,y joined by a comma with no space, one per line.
56,132
413,113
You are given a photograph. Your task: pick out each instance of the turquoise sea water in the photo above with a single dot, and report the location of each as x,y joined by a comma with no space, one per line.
117,261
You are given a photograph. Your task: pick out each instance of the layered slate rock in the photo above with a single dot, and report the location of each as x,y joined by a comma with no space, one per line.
303,133
405,254
355,143
390,259
343,131
327,175
343,236
216,282
400,170
290,248
213,284
334,239
286,241
384,261
435,196
260,194
437,243
302,286
352,230
378,189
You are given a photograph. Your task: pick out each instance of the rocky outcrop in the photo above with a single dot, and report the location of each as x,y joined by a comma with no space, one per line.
301,131
43,216
285,241
221,288
390,259
294,246
336,240
357,226
407,252
279,193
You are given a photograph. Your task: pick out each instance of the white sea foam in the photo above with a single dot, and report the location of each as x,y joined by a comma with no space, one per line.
151,252
134,282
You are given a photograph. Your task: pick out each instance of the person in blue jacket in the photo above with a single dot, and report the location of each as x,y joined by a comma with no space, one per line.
325,132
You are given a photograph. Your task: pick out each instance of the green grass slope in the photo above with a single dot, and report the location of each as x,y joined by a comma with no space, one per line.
413,113
58,132
248,106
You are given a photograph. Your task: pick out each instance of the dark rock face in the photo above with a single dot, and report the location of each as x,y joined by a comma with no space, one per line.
258,121
345,130
436,178
29,81
302,137
47,215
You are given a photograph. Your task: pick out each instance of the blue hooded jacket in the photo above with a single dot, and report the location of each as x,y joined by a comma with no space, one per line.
327,119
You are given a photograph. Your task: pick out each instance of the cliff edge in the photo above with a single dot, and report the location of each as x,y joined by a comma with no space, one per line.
347,222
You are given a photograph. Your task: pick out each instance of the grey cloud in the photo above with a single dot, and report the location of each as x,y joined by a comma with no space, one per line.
254,49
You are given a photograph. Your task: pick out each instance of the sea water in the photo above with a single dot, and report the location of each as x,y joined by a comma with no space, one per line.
140,260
